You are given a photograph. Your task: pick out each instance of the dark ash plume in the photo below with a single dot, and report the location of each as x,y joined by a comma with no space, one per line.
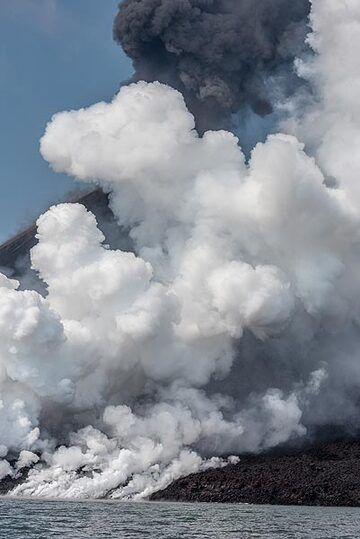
219,53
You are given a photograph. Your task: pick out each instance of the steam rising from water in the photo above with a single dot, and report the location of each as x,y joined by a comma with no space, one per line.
235,324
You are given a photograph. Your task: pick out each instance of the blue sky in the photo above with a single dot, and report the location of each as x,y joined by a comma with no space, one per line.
54,55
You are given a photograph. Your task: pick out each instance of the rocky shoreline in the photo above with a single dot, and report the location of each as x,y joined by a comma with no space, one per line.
327,475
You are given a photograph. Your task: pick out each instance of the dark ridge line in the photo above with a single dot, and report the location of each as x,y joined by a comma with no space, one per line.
20,244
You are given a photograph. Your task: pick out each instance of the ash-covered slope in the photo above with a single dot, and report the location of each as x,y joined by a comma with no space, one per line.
327,474
15,253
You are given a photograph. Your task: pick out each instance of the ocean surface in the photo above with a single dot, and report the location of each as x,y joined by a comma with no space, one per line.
22,519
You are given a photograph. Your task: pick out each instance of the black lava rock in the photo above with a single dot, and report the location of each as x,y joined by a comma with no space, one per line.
327,475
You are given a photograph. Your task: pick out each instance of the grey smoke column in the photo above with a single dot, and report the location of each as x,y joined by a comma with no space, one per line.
218,53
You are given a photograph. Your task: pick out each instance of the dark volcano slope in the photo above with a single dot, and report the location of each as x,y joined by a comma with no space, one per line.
324,475
15,253
327,475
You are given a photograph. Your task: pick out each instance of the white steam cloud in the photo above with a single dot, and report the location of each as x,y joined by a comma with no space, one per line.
234,326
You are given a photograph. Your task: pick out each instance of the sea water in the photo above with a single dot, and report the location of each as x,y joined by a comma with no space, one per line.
39,519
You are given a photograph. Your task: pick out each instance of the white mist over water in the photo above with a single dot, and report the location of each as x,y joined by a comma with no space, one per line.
136,369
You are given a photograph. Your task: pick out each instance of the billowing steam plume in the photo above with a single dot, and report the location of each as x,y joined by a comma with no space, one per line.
223,55
234,325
